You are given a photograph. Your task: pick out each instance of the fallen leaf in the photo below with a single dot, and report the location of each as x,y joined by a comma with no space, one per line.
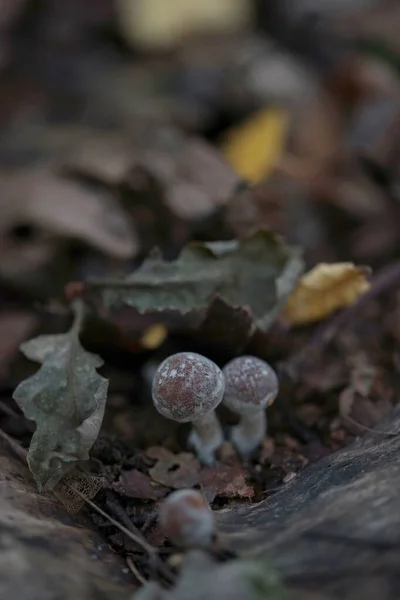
254,148
360,406
154,336
66,398
177,471
151,25
256,274
227,481
195,178
65,208
159,453
136,484
325,289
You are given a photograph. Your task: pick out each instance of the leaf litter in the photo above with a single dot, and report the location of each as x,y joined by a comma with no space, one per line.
189,177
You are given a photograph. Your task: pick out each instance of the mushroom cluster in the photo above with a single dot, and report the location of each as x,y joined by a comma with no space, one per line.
188,387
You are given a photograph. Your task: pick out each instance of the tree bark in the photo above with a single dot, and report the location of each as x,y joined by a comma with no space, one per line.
335,528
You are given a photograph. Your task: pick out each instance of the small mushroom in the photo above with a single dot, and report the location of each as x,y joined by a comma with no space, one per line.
187,387
187,519
251,385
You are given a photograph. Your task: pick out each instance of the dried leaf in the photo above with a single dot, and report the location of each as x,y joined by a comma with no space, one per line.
65,208
66,398
257,273
254,147
136,484
227,481
195,177
87,484
154,336
325,289
177,471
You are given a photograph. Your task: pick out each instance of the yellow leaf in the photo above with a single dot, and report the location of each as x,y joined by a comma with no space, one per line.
160,24
254,147
154,336
325,289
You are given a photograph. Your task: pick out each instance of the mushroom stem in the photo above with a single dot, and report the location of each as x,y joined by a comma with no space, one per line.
250,431
206,437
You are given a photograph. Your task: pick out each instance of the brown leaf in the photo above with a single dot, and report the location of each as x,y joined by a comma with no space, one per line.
177,471
227,481
64,208
196,178
136,484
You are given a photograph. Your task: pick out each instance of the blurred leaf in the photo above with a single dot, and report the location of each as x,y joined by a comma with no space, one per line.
156,25
154,336
66,398
229,481
325,289
254,147
66,209
257,273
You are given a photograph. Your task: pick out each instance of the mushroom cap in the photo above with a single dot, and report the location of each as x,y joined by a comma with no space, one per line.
187,519
250,384
187,386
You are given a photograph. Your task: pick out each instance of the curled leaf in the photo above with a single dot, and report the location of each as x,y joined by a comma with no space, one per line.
66,398
325,289
256,274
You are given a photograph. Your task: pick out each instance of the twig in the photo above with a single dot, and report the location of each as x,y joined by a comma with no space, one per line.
138,539
135,570
369,429
7,410
114,507
14,445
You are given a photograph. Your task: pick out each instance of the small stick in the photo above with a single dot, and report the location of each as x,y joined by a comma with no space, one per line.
135,570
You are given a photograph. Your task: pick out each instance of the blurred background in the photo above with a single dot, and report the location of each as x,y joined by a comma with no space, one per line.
129,124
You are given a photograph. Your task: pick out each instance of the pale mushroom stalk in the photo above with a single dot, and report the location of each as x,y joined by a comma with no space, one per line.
251,385
206,437
249,433
187,387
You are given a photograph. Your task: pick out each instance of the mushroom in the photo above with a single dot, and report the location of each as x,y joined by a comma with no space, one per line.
251,385
187,519
187,387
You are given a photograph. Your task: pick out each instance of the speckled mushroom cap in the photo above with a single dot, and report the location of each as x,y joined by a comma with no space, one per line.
250,384
187,519
187,386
